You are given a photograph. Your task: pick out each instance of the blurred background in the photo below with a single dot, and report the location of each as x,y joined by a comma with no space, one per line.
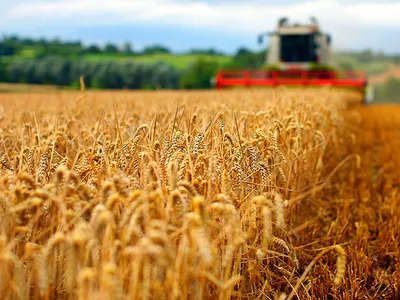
173,44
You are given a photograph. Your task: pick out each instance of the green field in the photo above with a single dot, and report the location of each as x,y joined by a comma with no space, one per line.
371,67
179,61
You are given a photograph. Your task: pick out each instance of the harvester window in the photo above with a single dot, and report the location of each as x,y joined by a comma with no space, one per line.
298,48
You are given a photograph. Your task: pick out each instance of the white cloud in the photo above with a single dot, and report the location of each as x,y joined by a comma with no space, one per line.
198,14
346,20
385,14
241,16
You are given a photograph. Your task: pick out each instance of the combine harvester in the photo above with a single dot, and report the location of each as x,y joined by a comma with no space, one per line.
299,55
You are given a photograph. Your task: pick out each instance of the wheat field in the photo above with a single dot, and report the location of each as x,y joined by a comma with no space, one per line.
279,194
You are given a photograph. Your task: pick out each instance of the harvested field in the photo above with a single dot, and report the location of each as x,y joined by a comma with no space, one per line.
393,71
174,195
27,88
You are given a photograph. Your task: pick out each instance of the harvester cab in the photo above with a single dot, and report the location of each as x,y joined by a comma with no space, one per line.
295,46
298,55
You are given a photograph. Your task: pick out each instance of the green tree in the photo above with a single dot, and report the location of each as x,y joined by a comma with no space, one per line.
110,48
16,71
250,60
127,48
210,51
199,74
156,49
59,71
246,59
3,70
8,47
93,49
41,70
102,75
132,75
164,76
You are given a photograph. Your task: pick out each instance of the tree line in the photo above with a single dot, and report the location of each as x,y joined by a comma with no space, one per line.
14,45
65,71
101,75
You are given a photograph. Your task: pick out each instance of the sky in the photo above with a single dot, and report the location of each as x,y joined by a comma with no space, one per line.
182,24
